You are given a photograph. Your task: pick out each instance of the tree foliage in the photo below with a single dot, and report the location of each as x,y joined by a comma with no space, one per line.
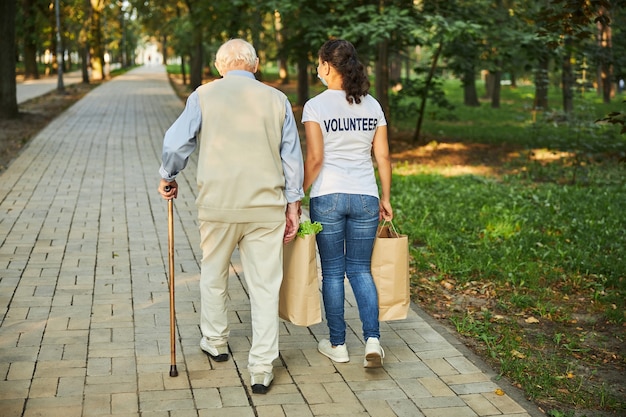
501,38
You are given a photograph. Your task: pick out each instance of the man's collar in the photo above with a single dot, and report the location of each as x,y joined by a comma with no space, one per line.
241,73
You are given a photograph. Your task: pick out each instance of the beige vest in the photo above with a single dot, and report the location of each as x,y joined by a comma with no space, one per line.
240,173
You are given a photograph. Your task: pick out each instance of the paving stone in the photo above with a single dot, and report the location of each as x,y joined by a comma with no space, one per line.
405,408
12,407
226,412
481,405
54,406
474,388
20,370
504,403
449,412
233,396
124,403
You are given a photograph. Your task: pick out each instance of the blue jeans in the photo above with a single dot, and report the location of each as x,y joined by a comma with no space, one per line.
345,245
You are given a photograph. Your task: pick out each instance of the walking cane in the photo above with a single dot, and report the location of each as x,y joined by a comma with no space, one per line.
170,245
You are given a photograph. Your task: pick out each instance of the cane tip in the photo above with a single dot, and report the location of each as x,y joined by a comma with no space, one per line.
173,371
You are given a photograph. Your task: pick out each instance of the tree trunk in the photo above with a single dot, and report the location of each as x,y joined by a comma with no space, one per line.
164,44
283,69
429,78
97,54
84,40
303,80
59,57
470,96
8,94
567,77
495,93
84,65
30,45
382,80
605,68
195,76
395,68
182,69
488,85
542,82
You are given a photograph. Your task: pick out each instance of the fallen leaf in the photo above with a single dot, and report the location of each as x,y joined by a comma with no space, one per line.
447,285
570,375
531,320
499,392
518,354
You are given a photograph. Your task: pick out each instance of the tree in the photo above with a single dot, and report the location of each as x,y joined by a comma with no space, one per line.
29,34
463,52
84,40
303,32
96,39
8,96
165,20
565,24
436,32
385,27
605,55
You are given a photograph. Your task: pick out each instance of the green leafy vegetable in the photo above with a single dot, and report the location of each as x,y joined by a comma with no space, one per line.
308,228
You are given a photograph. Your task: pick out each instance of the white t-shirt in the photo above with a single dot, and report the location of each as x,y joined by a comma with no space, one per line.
348,131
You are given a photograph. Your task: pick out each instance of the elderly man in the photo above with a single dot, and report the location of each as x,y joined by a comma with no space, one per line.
250,175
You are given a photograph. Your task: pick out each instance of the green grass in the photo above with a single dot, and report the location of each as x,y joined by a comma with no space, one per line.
177,69
515,122
525,234
548,250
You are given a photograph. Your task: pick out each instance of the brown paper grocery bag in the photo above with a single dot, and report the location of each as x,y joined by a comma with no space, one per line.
299,301
390,269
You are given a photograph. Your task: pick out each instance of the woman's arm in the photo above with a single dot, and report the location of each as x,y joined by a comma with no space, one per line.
380,146
314,153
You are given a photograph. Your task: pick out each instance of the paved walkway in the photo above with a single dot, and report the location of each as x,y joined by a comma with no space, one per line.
30,89
84,303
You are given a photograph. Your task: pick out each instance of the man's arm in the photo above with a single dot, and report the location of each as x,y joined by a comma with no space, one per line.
293,168
178,144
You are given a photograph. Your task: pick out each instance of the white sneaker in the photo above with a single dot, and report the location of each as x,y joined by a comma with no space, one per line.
336,353
374,354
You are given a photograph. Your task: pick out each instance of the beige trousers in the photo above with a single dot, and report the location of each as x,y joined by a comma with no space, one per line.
261,251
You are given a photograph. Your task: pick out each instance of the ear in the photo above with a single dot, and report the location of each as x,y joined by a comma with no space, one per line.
327,71
219,70
256,66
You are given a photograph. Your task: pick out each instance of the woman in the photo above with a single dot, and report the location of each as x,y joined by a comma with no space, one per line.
343,125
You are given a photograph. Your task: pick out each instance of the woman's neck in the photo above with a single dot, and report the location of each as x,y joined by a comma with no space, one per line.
335,82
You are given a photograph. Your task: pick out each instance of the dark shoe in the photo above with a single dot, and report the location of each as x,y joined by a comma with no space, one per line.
217,353
261,382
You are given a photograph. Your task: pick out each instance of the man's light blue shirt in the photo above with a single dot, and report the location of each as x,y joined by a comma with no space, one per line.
181,140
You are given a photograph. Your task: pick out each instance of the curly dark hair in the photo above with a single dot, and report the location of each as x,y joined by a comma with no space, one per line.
342,55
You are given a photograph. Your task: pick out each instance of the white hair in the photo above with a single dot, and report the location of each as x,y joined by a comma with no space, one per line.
236,54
